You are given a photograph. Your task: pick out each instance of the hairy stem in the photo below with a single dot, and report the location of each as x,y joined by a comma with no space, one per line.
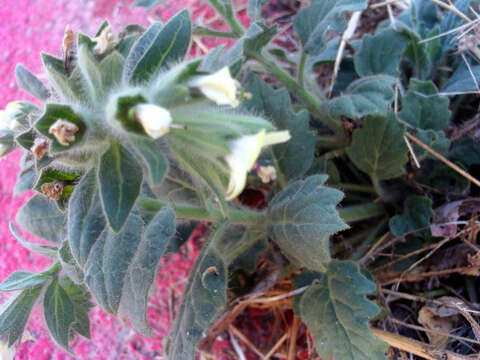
204,31
227,13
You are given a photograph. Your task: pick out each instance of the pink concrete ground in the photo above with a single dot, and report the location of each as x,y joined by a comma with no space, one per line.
26,28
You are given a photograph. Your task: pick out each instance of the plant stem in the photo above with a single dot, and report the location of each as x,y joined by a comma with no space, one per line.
301,69
54,269
204,31
313,104
227,13
235,215
355,213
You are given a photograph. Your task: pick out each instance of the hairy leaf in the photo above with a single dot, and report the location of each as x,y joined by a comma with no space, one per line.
423,108
111,69
158,47
147,4
59,313
15,312
152,153
27,176
254,9
69,264
435,139
204,297
41,217
416,217
370,95
337,313
378,148
120,178
81,305
91,71
85,217
20,280
380,53
301,218
313,22
295,156
121,267
467,151
45,250
462,80
30,83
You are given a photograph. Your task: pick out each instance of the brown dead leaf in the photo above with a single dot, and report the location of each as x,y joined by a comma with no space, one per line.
431,320
451,212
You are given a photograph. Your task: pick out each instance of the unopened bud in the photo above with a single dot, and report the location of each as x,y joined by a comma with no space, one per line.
155,119
219,87
64,131
39,148
53,190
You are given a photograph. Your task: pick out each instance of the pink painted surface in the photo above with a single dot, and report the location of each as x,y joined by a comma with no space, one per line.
26,28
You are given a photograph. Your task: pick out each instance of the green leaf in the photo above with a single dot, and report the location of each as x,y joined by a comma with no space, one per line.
379,148
27,177
81,304
20,280
462,81
184,229
69,264
380,53
466,151
434,139
254,9
416,217
45,250
152,153
92,73
370,95
30,83
26,139
120,179
337,313
121,267
248,260
15,313
147,4
70,88
295,156
59,313
85,217
254,39
157,47
451,21
40,216
423,108
313,22
301,218
111,69
203,299
49,175
54,112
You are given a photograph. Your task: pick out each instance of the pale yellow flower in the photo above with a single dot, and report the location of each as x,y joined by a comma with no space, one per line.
105,41
155,120
7,120
245,151
219,87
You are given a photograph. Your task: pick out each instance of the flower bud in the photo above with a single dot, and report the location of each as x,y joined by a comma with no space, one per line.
244,153
219,87
7,116
53,190
267,174
155,119
39,148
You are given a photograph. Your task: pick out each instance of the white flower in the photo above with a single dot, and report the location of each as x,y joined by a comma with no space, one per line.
267,173
155,119
64,131
245,151
219,87
7,116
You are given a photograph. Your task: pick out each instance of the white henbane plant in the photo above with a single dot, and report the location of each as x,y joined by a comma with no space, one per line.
133,140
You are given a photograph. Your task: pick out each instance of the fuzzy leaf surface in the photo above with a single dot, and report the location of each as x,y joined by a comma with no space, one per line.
295,156
423,108
301,218
416,217
30,83
20,280
203,299
16,312
157,47
121,267
59,313
337,313
313,22
152,153
45,250
370,95
462,81
40,216
380,53
85,217
120,178
378,148
147,4
81,305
